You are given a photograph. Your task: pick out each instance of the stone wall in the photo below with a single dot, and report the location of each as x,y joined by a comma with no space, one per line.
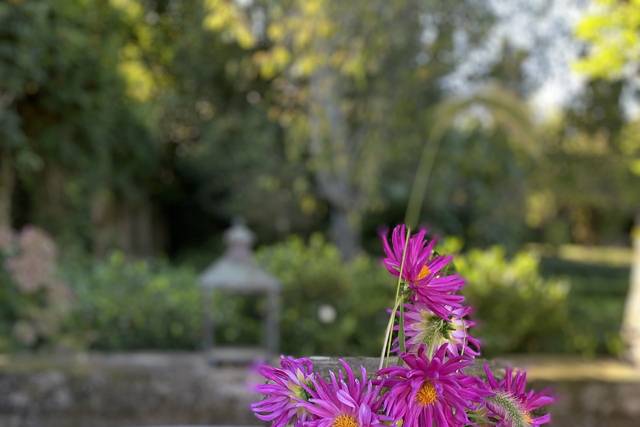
589,393
181,389
121,391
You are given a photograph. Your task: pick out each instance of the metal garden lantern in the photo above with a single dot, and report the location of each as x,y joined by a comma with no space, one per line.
236,272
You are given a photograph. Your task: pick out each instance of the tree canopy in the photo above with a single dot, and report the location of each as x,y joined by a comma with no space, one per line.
147,125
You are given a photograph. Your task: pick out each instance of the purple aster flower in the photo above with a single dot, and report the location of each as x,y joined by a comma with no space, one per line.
422,271
286,389
432,391
345,402
416,261
423,328
439,293
510,405
461,342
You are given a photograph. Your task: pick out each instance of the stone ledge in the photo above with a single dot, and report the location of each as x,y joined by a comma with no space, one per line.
559,368
175,389
119,390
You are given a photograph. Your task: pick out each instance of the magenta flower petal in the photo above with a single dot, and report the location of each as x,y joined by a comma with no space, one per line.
345,401
285,390
416,260
432,391
423,271
424,328
510,392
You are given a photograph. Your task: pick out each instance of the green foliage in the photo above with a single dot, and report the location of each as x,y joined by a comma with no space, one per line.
509,116
123,305
516,308
595,303
478,170
589,146
329,306
146,125
65,117
128,305
611,30
288,113
314,277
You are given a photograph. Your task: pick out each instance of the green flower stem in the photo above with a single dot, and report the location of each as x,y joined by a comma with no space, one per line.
388,332
401,338
386,346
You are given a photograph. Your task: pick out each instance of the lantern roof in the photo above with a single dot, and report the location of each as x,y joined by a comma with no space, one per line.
237,269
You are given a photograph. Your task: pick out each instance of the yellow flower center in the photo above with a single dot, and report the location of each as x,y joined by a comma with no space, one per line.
345,421
527,418
424,272
427,394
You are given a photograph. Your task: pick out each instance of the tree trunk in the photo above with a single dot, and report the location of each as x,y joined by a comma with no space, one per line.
51,203
124,225
631,322
331,147
7,182
345,232
104,219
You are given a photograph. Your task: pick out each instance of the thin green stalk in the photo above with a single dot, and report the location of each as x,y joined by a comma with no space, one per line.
386,346
421,180
388,331
390,341
401,338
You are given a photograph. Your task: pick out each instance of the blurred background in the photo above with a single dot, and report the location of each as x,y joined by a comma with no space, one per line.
133,133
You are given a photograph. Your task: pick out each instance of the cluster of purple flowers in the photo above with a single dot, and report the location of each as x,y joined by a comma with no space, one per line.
430,385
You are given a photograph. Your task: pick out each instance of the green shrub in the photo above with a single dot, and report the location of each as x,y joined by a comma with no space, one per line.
517,310
316,284
596,302
128,305
329,306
